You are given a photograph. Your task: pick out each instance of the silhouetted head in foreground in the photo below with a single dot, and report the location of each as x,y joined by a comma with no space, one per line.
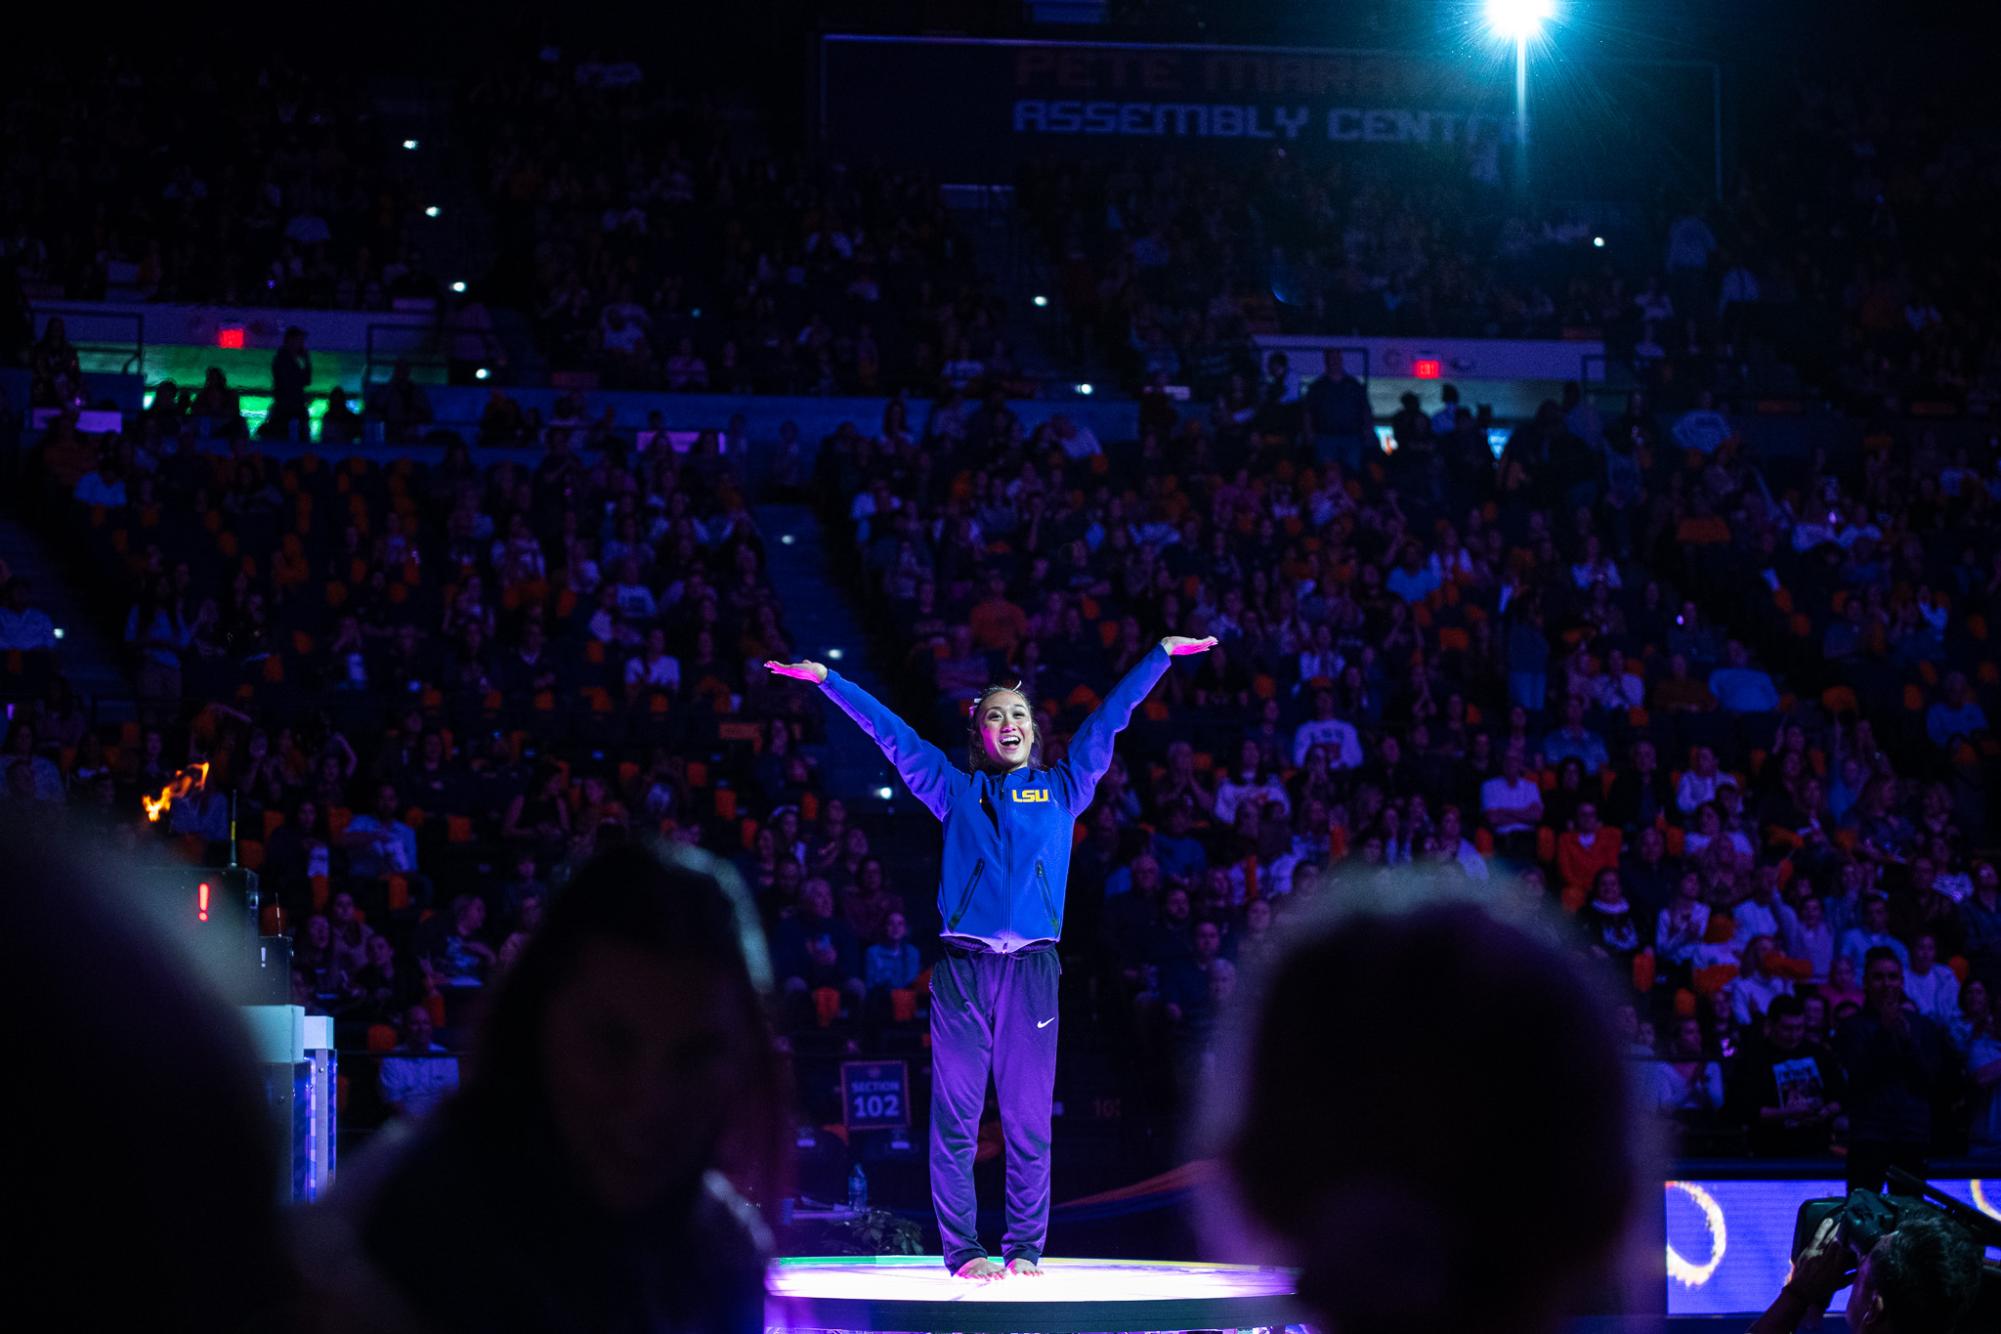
578,1179
1439,1157
632,1033
143,1162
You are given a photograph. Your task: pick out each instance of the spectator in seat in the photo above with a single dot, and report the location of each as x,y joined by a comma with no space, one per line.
814,948
379,842
1956,716
1344,747
340,424
1687,1084
452,948
998,624
31,776
654,669
1698,785
401,405
1740,687
421,1075
24,628
1610,924
1410,578
1511,804
1253,780
103,487
1752,990
893,962
1179,854
1896,1061
1681,692
1184,982
384,989
1764,913
1575,741
353,939
540,817
1932,987
1788,1089
1873,932
1583,851
1980,914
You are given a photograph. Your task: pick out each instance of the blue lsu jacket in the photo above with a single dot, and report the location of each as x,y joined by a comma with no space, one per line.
1007,836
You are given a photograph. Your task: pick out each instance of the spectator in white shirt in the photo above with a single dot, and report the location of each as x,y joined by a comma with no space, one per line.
1253,780
1698,785
1617,689
1344,747
420,1076
1930,985
1684,922
655,669
1753,989
1458,847
23,628
1512,806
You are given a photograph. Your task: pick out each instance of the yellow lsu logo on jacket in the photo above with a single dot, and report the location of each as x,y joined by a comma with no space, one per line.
1030,794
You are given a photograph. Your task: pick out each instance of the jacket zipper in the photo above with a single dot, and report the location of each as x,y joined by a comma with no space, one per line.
1048,899
966,899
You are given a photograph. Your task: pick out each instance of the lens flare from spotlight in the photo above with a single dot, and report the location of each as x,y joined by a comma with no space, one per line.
1518,20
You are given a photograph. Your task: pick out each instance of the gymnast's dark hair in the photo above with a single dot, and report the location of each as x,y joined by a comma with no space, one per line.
976,753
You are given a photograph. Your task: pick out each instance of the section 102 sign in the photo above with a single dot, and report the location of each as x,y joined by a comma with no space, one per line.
875,1095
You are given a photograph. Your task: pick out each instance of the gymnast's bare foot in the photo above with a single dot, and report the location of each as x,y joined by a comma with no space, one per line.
980,1269
1023,1267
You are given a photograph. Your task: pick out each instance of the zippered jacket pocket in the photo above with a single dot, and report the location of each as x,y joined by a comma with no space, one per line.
966,898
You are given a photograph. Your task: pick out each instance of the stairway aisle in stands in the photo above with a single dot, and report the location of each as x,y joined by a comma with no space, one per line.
88,658
823,623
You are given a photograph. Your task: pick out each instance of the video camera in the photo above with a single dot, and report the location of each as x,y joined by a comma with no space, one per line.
1866,1217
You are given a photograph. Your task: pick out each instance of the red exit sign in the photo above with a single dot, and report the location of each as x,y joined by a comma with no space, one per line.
1426,368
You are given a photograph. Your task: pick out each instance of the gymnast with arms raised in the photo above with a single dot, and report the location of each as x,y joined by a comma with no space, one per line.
1008,828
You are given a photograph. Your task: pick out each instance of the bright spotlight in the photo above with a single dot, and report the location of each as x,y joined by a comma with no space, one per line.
1086,390
433,211
482,373
1518,20
785,539
884,793
409,145
834,653
459,287
1597,243
1040,301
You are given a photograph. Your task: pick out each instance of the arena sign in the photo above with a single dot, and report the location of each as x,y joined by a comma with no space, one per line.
973,108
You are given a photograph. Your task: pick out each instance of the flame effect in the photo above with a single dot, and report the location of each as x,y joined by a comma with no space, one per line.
185,783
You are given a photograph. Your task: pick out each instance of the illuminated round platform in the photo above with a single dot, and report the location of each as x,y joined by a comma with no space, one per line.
914,1293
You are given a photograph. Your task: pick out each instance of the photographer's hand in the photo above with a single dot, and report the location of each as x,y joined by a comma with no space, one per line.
1822,1269
1825,1267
